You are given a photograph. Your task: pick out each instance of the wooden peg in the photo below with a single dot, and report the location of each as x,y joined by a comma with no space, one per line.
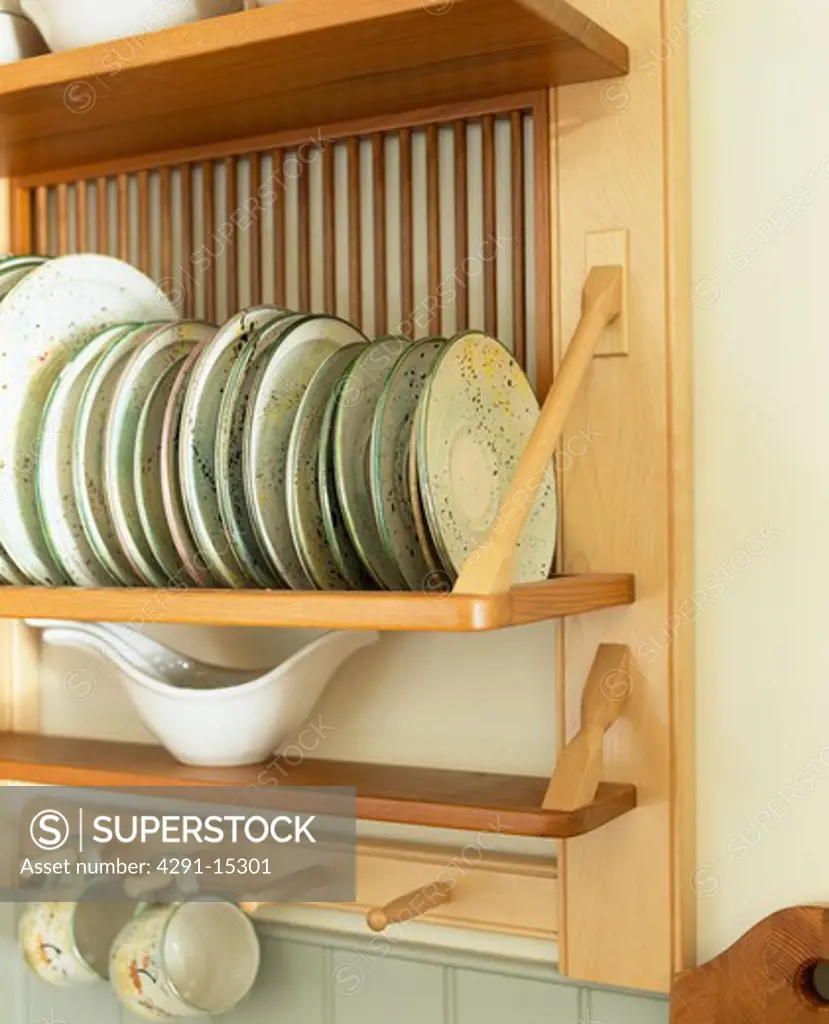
579,770
413,904
298,883
489,570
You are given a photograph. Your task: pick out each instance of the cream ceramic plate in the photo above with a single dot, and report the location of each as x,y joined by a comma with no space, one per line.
9,573
438,577
62,524
230,433
140,371
270,417
302,473
14,268
339,543
477,416
389,463
44,319
363,387
189,554
97,512
197,441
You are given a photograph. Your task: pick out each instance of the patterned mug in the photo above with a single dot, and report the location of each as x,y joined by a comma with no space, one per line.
69,943
185,959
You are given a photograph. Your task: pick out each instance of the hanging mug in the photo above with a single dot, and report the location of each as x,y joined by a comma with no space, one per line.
69,943
185,959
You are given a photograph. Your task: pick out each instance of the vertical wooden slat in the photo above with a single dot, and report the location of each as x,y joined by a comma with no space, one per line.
166,229
208,227
406,232
461,226
42,214
433,228
144,261
63,219
102,216
304,211
186,259
490,249
329,211
123,217
355,260
22,223
519,283
81,217
231,204
378,147
255,230
278,178
542,247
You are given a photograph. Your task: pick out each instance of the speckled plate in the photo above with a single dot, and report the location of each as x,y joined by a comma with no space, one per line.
9,573
302,473
389,463
44,319
342,550
60,519
139,372
438,576
275,398
230,432
477,416
14,268
171,495
363,387
96,509
197,441
147,478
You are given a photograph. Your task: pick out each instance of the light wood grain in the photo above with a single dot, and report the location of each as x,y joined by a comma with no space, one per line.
518,207
355,232
297,63
63,219
461,222
406,232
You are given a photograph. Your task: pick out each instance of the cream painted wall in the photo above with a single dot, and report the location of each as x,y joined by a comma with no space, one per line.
760,145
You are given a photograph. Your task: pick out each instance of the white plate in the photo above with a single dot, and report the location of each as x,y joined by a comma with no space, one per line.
197,440
44,319
273,405
151,357
15,268
62,525
9,573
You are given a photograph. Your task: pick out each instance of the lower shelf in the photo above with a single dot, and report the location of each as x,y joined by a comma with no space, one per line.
476,801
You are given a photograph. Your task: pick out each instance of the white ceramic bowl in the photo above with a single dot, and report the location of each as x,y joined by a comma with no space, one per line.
69,23
246,723
19,38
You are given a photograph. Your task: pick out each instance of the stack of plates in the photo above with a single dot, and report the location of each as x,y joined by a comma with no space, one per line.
278,450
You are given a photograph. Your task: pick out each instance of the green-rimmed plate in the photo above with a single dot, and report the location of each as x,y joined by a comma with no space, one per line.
230,432
362,389
88,457
197,441
302,473
60,519
438,576
274,401
14,268
389,464
9,573
139,372
478,414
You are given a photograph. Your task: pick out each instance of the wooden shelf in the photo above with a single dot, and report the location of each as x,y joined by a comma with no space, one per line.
479,801
446,613
296,64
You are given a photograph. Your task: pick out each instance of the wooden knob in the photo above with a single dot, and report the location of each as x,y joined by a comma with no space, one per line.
413,904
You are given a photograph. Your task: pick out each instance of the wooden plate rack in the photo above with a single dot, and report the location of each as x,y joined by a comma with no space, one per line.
144,148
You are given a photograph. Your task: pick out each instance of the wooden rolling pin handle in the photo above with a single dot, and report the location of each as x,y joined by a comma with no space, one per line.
489,569
413,904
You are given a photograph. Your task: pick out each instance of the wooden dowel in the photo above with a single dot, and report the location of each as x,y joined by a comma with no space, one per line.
63,219
489,569
329,226
355,231
378,152
490,229
413,904
166,228
186,256
81,217
461,226
209,229
144,221
255,230
304,219
42,218
230,233
406,232
278,184
102,227
123,217
543,257
433,228
519,280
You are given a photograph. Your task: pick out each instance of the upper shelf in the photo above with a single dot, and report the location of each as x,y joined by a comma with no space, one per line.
297,65
454,613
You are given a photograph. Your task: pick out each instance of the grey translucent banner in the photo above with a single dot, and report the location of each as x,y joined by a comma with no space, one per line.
279,844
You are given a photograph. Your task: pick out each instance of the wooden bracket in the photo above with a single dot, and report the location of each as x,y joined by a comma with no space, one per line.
579,770
766,977
413,904
489,569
